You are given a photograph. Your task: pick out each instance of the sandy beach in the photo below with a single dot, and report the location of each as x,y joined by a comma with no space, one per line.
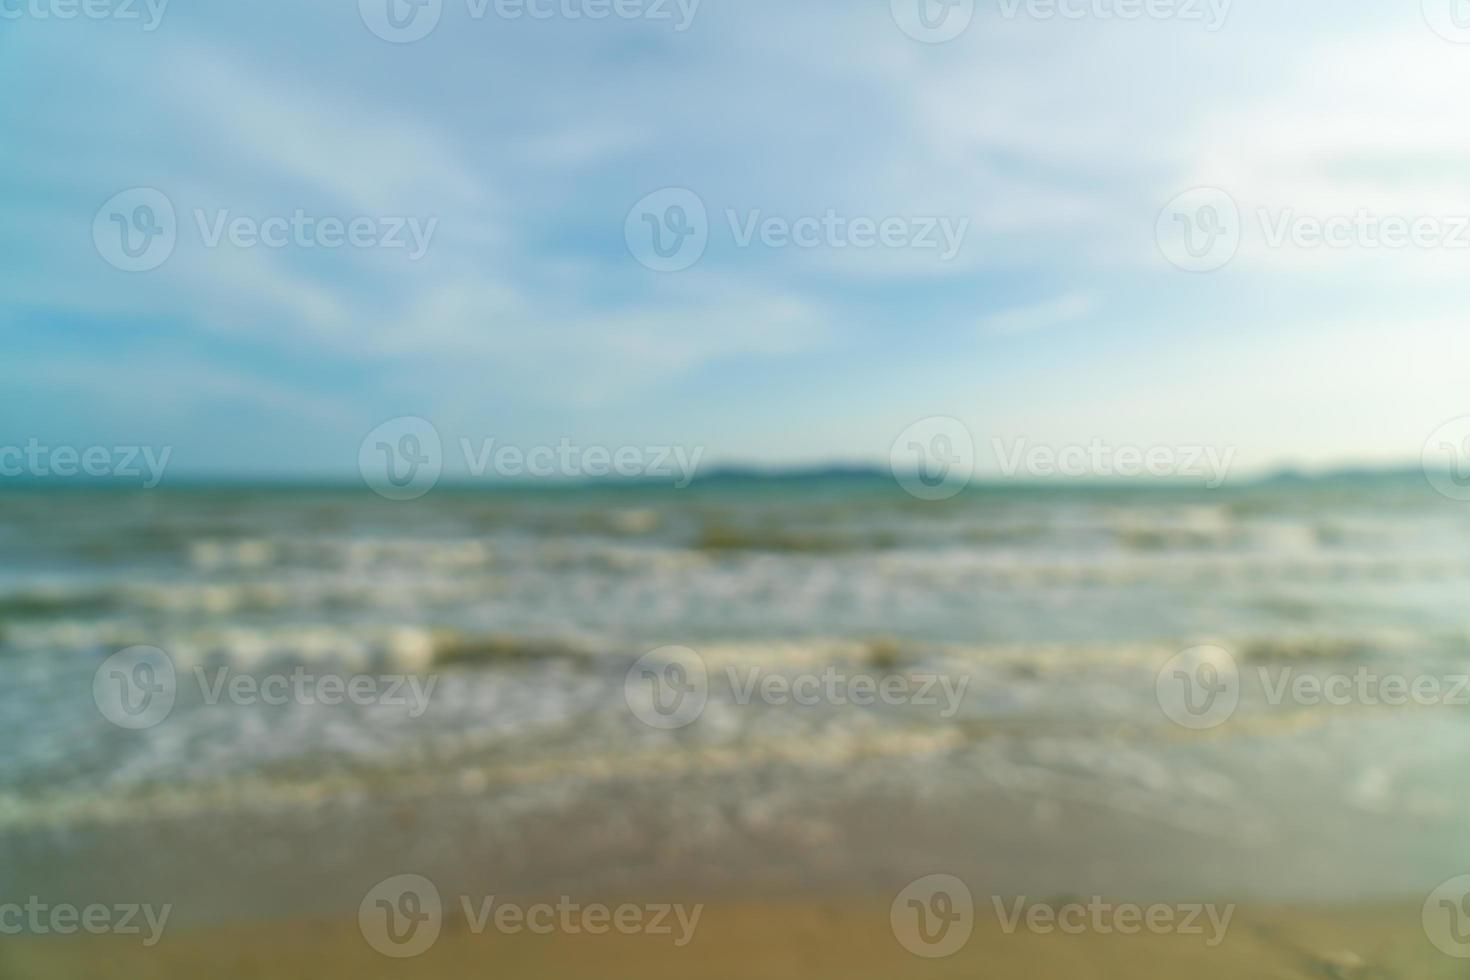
847,937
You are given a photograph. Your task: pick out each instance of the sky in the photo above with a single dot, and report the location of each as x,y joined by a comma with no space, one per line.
532,152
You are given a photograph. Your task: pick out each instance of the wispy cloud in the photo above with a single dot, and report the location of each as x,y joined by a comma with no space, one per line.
1057,141
1037,316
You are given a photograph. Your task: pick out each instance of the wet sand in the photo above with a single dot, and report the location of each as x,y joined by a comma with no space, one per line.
841,938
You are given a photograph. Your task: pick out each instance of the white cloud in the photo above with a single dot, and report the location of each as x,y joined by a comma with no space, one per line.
1358,128
374,161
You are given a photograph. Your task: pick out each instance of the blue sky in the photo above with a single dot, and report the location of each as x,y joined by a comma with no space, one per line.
527,319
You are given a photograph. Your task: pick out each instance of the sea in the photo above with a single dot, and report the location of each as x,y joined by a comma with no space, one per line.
256,701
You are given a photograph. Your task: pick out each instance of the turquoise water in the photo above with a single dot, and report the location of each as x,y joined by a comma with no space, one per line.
1056,608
